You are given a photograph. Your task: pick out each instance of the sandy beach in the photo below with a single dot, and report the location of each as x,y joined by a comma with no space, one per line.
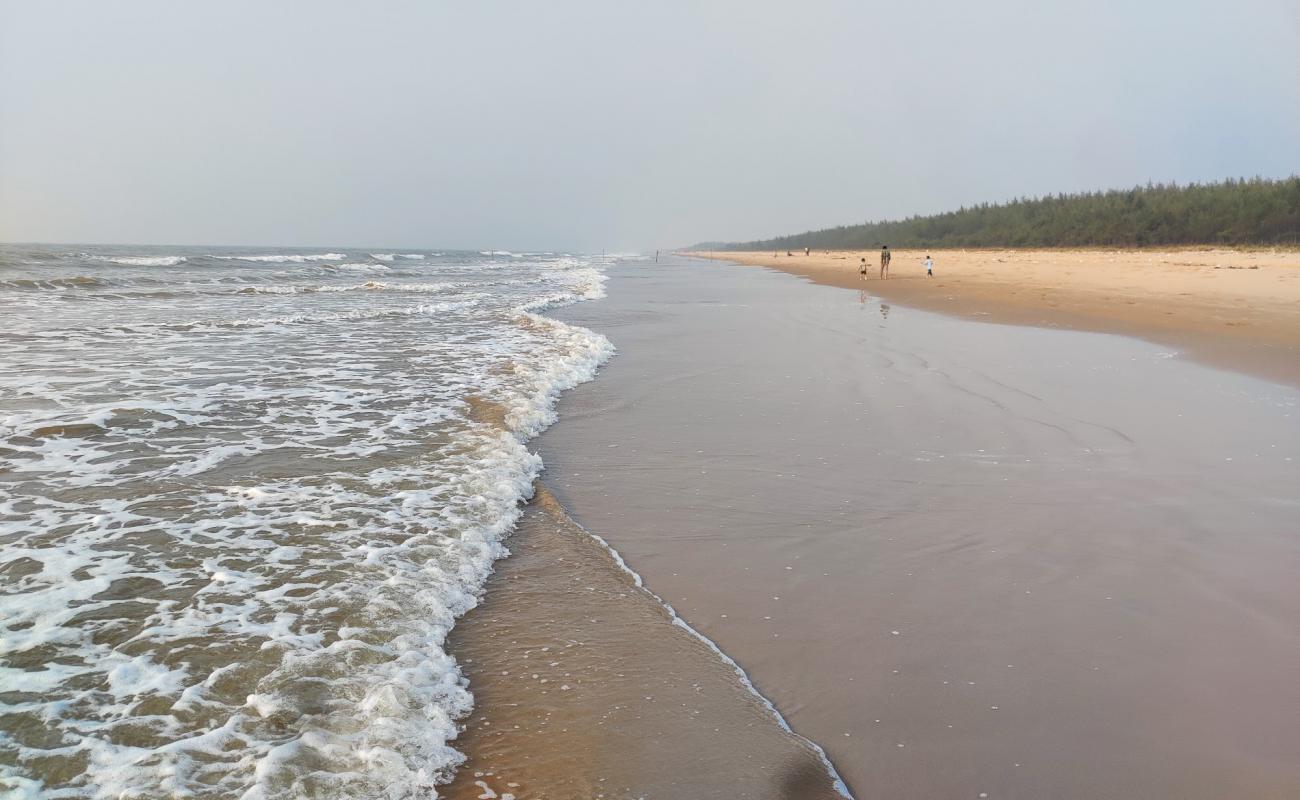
370,429
587,687
1234,308
966,559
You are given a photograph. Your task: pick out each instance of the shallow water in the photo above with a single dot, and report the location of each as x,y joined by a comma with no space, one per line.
243,497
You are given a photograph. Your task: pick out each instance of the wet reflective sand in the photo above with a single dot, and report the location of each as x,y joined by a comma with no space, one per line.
585,687
966,559
1234,308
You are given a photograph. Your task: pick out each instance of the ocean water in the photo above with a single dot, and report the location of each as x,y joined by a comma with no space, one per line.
244,495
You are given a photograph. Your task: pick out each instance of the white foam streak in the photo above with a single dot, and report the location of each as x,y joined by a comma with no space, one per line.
368,286
285,259
142,261
838,783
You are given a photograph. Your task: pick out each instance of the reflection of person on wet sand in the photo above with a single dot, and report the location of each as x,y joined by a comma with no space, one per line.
884,262
884,310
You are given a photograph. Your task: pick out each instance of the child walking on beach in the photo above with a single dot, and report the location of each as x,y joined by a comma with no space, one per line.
929,267
862,270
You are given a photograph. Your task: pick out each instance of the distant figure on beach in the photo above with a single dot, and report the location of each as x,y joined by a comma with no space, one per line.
884,262
788,253
862,269
805,251
929,267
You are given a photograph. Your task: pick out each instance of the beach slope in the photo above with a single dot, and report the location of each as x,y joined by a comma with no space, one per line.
1233,308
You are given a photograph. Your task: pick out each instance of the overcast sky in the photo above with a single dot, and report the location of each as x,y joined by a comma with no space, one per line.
604,124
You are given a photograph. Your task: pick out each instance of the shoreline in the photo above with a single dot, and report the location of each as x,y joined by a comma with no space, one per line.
587,683
954,556
1236,309
657,688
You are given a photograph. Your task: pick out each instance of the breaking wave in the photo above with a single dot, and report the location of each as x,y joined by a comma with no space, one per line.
142,261
234,552
285,259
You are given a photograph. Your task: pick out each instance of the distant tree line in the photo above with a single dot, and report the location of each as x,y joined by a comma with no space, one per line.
1234,212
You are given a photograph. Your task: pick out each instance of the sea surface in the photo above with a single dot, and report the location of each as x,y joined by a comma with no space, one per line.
244,495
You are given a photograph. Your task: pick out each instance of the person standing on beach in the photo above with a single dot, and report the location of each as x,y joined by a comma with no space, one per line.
884,262
862,269
929,267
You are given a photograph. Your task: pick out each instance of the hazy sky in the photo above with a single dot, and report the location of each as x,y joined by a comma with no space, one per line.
604,124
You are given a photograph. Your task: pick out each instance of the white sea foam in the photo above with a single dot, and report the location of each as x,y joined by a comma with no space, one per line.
340,316
56,284
363,267
142,261
285,259
413,287
272,289
236,544
368,286
302,318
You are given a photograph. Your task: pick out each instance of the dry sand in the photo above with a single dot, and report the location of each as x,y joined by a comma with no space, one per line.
1238,309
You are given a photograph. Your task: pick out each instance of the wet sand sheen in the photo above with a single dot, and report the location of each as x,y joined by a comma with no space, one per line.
963,558
1234,309
586,687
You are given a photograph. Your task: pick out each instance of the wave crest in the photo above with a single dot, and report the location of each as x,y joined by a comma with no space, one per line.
142,261
285,259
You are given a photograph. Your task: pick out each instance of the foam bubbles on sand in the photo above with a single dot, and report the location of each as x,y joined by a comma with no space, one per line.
238,526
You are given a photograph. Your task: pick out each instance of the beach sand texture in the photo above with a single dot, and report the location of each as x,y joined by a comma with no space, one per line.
1238,309
587,687
964,558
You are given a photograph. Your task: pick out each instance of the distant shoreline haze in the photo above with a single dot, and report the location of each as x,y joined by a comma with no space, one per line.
1254,211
